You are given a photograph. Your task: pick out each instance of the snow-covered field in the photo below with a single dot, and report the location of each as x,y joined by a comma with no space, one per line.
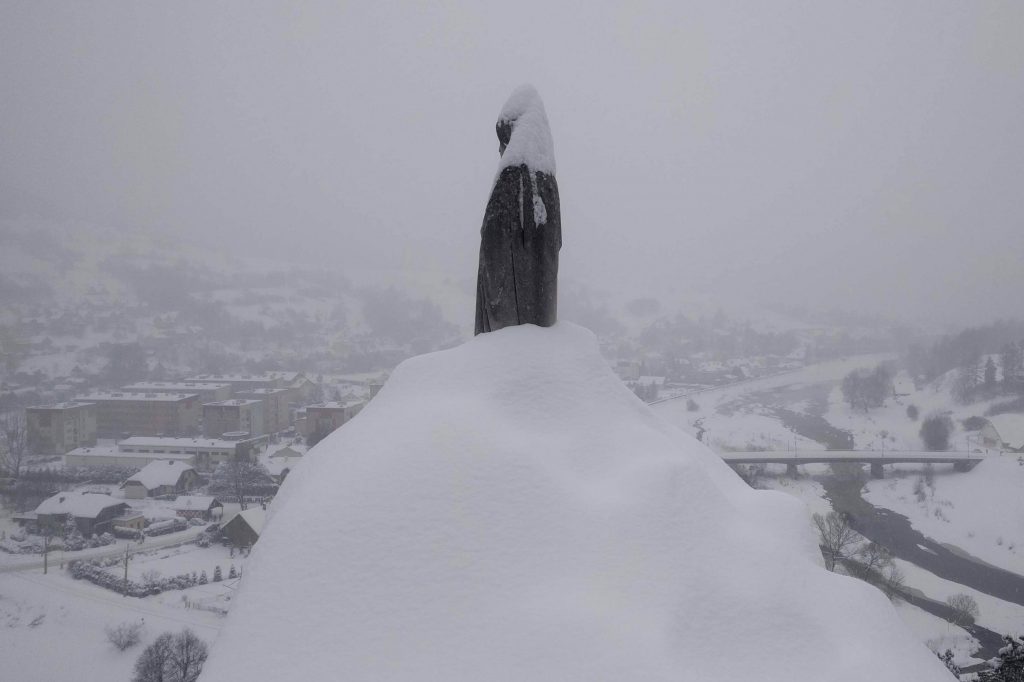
52,627
981,512
733,424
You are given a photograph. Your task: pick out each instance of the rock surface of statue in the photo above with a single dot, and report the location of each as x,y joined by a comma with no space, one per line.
517,281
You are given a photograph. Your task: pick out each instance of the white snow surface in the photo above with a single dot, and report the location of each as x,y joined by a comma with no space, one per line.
508,510
531,142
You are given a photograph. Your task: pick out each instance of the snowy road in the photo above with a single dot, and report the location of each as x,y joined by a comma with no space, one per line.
13,563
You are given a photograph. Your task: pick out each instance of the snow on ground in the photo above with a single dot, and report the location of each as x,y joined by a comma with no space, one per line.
734,426
890,424
508,510
938,635
995,614
53,627
981,511
804,487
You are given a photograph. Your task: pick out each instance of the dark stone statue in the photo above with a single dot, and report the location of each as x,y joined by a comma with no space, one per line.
517,282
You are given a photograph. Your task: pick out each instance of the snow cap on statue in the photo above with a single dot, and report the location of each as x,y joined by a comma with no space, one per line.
523,129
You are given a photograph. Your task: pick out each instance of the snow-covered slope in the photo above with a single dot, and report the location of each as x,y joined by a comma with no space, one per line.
507,510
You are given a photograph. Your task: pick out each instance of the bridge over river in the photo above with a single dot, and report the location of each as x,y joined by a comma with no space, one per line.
961,461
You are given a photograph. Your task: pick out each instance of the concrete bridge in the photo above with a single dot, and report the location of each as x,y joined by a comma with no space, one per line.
961,461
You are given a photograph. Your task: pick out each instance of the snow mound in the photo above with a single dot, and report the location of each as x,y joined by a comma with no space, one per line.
508,510
531,143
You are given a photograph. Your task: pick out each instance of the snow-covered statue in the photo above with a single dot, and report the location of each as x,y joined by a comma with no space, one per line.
517,282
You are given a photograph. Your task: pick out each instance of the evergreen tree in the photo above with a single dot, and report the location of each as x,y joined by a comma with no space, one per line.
203,580
217,577
232,573
952,667
1010,666
990,373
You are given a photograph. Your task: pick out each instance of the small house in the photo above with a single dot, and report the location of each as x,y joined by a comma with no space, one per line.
93,513
162,477
203,507
243,529
1004,431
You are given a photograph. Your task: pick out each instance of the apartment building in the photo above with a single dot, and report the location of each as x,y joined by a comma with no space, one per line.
235,416
323,418
60,428
120,414
276,406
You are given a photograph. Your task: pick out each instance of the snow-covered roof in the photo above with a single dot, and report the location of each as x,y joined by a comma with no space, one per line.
70,405
78,504
263,391
335,405
194,502
127,444
229,378
1010,428
175,386
533,520
163,472
286,452
122,395
254,516
530,143
234,402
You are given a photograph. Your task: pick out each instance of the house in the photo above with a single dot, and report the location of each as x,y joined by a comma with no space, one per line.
131,520
203,507
1005,432
244,528
93,512
281,463
163,477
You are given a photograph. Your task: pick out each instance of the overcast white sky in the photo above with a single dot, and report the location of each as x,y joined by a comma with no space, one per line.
866,155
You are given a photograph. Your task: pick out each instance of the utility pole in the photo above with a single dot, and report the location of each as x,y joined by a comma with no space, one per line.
46,550
125,591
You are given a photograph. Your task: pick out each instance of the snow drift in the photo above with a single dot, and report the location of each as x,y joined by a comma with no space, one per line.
508,510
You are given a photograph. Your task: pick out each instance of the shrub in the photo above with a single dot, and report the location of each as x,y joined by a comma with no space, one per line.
124,636
912,412
691,405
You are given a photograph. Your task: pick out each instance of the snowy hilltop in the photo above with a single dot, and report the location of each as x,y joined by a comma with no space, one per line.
508,510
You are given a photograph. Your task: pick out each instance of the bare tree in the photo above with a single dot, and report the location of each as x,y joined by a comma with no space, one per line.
154,662
892,582
172,658
836,537
241,478
965,609
187,656
13,443
873,557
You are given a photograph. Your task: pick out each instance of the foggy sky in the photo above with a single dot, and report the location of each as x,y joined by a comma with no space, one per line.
864,155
